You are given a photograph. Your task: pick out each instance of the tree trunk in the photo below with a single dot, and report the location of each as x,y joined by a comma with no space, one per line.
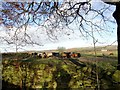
116,15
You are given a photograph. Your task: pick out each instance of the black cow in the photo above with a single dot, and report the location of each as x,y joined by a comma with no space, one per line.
55,54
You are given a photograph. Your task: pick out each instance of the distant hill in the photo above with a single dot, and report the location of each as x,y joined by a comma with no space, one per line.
98,48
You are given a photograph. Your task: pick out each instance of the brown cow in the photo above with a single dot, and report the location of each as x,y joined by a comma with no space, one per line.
111,53
75,55
66,55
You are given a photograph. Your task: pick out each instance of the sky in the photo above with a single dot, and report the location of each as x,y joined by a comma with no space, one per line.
65,37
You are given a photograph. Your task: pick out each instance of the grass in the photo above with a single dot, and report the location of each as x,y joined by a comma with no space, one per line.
76,72
61,70
87,57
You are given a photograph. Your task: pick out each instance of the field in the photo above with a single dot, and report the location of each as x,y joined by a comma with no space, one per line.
89,72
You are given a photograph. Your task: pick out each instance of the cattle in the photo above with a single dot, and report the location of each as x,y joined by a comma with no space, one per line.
40,55
63,55
49,55
111,53
55,54
44,55
66,55
78,55
34,54
75,55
